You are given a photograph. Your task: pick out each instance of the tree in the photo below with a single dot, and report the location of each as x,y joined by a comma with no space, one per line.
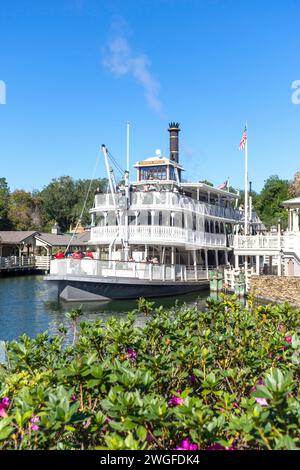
269,202
63,199
23,211
82,187
209,183
58,200
294,189
4,199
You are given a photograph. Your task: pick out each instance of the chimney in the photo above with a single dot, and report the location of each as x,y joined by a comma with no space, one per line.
174,130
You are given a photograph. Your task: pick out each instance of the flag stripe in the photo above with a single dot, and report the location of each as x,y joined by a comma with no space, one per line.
243,140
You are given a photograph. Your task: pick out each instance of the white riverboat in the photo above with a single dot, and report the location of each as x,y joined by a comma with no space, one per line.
156,236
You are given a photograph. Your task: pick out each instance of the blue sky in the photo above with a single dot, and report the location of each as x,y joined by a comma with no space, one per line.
77,70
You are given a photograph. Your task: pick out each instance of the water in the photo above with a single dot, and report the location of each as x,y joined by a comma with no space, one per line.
30,305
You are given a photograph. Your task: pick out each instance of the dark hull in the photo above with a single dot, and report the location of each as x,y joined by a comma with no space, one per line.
108,289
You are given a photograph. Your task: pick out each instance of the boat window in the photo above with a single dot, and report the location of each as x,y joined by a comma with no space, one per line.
212,228
149,218
182,220
131,219
194,222
160,218
221,227
217,227
206,226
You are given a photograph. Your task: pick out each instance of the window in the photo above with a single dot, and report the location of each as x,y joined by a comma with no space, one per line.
155,172
149,218
194,222
160,218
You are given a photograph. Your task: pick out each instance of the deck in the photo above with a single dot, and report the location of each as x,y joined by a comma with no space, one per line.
32,263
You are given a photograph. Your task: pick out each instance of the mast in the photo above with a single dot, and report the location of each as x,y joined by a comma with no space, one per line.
127,147
246,185
108,171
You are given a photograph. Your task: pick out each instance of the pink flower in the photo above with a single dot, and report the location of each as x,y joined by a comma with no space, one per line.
288,339
73,398
187,445
261,401
175,401
131,354
4,404
217,446
33,420
5,401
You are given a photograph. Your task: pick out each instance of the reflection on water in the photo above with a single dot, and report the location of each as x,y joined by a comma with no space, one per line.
30,305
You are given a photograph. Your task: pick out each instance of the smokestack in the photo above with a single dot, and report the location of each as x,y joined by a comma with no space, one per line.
174,130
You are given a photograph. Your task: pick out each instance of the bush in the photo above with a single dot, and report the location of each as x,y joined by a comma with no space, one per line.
223,378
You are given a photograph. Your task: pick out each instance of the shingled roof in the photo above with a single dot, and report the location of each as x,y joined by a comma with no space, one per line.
15,238
64,239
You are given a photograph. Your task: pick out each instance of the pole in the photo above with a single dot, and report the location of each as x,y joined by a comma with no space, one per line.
127,147
246,185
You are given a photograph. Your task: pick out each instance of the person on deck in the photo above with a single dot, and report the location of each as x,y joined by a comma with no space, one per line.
88,254
77,254
59,255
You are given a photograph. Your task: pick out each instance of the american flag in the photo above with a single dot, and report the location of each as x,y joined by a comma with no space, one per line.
243,140
223,185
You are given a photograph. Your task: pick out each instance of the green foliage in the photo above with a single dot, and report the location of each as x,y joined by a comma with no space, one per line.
24,211
209,183
4,198
226,376
269,202
63,199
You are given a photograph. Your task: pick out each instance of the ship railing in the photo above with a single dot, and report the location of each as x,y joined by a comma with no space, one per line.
157,233
84,268
164,200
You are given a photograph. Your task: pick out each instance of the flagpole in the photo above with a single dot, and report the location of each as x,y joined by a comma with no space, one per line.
246,185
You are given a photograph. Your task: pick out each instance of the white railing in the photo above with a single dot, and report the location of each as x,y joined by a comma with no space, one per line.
13,262
42,262
163,200
68,268
20,262
291,242
156,233
257,242
232,278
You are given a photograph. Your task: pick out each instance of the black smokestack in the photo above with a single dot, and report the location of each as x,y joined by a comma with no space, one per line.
174,130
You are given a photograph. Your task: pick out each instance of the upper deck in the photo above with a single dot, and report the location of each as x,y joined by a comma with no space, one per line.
166,201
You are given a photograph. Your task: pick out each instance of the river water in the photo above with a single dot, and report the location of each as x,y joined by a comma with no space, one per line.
30,305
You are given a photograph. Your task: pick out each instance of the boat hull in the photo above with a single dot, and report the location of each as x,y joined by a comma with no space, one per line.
74,289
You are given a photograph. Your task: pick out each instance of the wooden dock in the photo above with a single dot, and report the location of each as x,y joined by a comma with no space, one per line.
32,263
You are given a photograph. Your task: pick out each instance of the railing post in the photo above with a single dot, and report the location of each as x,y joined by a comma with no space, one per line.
150,271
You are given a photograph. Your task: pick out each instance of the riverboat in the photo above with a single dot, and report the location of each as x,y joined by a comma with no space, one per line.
153,237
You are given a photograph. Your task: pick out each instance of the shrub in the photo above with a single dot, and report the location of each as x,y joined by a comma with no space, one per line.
223,378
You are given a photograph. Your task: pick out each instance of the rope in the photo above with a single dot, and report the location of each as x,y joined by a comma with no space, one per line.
85,201
114,161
